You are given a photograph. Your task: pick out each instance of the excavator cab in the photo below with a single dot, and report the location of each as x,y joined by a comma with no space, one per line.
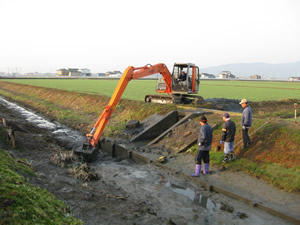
185,79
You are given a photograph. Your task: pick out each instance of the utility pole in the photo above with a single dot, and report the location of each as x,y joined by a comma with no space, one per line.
295,107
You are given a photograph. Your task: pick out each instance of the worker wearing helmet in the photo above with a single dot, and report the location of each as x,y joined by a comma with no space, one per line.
204,145
228,133
246,122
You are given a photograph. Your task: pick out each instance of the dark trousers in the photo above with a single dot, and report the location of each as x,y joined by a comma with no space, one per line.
202,155
246,138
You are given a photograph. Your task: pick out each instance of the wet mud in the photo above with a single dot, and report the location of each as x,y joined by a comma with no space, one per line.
124,192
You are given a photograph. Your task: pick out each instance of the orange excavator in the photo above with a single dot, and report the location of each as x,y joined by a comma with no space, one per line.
179,86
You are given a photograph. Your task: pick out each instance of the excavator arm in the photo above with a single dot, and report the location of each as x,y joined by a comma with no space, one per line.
130,73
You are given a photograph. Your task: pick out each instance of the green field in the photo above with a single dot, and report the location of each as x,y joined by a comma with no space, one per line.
137,89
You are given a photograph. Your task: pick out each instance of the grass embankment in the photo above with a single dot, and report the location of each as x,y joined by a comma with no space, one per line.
79,110
22,203
274,155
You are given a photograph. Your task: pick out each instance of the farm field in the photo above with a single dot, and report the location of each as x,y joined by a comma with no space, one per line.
137,89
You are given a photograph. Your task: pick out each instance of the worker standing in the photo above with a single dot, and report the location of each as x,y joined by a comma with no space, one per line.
228,133
204,145
246,122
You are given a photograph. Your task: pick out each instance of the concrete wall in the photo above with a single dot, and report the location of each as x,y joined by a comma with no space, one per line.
158,127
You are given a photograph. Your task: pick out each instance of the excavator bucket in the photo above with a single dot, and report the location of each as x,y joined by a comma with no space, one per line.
87,152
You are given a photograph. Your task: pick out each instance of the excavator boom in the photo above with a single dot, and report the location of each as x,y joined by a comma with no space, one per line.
130,73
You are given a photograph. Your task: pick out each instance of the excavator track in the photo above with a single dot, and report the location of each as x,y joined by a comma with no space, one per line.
162,99
174,99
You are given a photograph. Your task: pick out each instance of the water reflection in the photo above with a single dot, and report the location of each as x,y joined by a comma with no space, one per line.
202,200
195,196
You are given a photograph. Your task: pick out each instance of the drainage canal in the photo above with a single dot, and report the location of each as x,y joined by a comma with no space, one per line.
169,197
65,136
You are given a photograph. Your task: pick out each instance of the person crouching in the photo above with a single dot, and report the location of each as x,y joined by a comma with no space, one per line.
228,133
204,145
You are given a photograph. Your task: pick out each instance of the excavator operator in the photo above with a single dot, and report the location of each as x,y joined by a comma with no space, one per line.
182,76
181,80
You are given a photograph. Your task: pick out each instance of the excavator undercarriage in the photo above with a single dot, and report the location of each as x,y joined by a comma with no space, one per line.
174,99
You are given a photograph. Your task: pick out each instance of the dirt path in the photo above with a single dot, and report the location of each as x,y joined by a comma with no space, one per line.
126,193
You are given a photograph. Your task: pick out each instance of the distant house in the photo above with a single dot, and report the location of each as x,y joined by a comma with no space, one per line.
226,75
294,79
113,74
73,72
100,74
85,72
62,72
207,76
256,77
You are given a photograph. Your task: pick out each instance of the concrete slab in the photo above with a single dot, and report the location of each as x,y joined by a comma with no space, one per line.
183,120
156,128
108,147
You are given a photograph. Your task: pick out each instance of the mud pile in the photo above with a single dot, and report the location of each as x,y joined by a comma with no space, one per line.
64,159
224,104
84,172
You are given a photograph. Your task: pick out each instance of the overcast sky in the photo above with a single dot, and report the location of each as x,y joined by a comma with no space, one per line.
102,35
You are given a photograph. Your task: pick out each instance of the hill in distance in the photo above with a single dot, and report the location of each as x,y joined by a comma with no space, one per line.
266,70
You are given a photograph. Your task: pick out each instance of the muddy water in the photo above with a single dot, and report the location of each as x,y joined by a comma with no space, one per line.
151,195
177,199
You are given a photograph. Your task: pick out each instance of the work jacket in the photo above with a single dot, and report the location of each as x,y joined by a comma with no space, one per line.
205,138
228,131
247,117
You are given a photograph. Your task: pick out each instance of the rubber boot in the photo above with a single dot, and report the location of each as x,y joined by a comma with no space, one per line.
206,168
231,156
197,170
225,159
